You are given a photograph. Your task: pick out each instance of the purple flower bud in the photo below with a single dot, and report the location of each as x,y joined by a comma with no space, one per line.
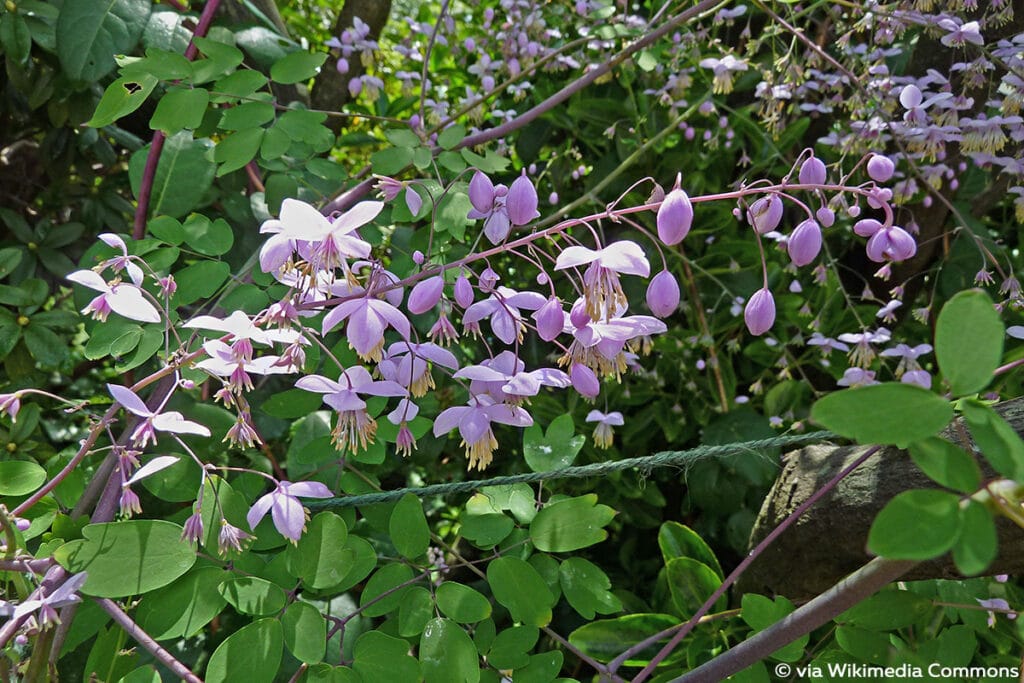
812,172
469,44
578,316
805,243
867,227
765,214
481,192
550,319
759,313
826,216
675,216
463,292
342,66
663,294
879,197
487,83
418,258
521,202
553,198
488,280
426,294
880,168
355,86
584,381
413,201
891,244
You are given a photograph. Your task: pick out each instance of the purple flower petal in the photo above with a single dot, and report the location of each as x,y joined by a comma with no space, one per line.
130,400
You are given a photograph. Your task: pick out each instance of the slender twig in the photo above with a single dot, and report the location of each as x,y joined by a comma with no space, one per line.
153,158
426,56
740,568
145,640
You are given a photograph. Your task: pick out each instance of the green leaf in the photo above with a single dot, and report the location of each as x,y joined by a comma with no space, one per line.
390,161
161,615
519,587
46,346
570,524
144,674
305,632
606,639
416,610
887,611
586,588
890,413
691,583
239,84
511,647
220,59
760,612
322,558
867,646
167,229
237,149
978,544
184,174
946,463
916,525
382,659
447,654
462,603
408,527
251,654
20,477
968,341
211,238
542,668
199,281
163,65
995,438
403,137
452,212
385,590
180,108
246,115
298,66
15,37
10,257
487,531
127,558
678,540
554,450
253,595
451,136
364,559
112,338
121,98
89,35
517,498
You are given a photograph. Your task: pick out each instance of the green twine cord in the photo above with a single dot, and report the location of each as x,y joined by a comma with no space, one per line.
647,462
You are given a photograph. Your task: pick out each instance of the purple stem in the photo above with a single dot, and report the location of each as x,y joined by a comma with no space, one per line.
153,158
742,567
144,639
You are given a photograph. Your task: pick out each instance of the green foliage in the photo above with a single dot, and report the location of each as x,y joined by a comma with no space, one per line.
968,341
897,414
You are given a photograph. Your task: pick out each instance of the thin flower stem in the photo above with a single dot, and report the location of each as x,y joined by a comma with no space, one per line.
147,642
698,305
426,56
742,566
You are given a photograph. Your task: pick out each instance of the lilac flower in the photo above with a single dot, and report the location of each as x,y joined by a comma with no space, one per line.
443,332
124,299
425,294
502,308
908,356
888,312
603,433
405,442
550,319
812,171
880,168
759,313
999,605
463,291
602,291
193,529
413,201
129,503
521,201
224,361
243,331
488,203
675,216
65,594
474,423
584,381
504,378
122,262
919,377
891,243
723,70
324,243
862,353
408,365
10,404
827,344
284,507
367,317
355,428
153,422
601,345
857,377
959,34
805,242
230,538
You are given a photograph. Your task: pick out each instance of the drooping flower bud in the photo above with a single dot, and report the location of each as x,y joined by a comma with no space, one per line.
675,216
812,172
880,168
488,280
826,216
867,227
759,313
550,319
663,294
481,192
463,291
521,202
584,381
891,244
805,242
765,214
413,201
425,294
578,316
